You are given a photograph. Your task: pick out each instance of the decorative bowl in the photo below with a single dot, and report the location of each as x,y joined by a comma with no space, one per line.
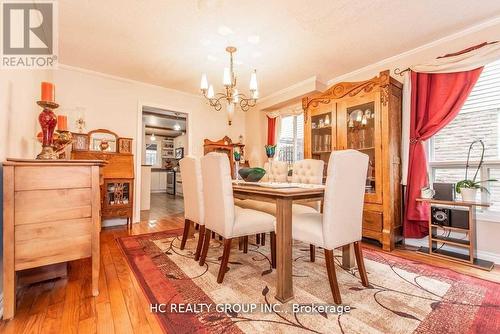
252,174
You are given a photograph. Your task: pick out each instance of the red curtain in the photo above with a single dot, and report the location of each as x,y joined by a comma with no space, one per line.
435,101
271,131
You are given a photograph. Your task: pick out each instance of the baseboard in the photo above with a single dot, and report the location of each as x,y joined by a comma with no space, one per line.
489,256
483,255
114,222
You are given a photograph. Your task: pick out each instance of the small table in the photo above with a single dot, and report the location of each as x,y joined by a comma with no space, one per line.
284,197
469,244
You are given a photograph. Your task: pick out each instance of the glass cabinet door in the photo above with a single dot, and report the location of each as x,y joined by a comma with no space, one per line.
323,132
361,131
117,193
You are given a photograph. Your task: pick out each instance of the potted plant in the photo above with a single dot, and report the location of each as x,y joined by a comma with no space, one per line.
468,188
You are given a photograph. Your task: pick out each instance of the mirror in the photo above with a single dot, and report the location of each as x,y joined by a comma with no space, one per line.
102,140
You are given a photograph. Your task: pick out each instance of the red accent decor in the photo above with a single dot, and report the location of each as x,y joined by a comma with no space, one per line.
62,123
436,100
271,131
48,92
48,122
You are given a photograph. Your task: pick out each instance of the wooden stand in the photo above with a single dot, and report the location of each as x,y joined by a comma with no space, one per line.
469,243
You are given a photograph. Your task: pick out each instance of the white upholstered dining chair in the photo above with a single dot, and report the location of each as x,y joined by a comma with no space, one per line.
276,171
192,188
308,171
221,215
340,222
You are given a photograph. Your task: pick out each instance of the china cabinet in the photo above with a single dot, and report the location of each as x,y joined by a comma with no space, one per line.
117,191
365,116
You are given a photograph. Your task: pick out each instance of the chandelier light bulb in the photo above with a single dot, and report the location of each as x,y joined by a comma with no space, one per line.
210,93
226,80
253,81
204,82
255,94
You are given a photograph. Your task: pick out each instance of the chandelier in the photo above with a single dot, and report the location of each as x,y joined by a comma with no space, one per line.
231,97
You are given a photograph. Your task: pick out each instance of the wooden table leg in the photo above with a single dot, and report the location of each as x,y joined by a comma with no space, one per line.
284,287
348,259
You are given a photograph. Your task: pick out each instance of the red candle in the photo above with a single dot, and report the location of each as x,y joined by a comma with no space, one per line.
62,123
48,92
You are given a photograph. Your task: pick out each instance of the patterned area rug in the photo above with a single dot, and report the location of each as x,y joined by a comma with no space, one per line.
404,296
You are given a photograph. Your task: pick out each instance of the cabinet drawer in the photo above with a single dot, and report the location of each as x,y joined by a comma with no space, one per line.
38,206
372,220
52,242
54,177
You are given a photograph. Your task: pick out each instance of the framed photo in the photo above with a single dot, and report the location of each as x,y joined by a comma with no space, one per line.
179,153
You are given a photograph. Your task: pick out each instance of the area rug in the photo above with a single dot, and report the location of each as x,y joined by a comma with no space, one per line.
403,297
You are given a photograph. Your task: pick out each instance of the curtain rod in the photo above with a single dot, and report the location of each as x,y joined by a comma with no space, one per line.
399,71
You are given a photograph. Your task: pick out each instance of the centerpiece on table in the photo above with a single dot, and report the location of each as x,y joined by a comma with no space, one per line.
468,188
237,159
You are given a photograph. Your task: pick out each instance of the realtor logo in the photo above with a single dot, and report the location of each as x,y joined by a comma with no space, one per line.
29,38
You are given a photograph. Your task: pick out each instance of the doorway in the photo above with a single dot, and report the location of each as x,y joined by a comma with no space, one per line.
164,141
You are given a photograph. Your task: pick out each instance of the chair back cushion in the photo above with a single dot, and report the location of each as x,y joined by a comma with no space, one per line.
277,171
308,171
344,198
218,193
192,188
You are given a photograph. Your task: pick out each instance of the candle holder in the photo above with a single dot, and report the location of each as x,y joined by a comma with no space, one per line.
48,122
62,139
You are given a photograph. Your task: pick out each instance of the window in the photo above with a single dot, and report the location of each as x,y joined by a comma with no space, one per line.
478,119
291,138
151,154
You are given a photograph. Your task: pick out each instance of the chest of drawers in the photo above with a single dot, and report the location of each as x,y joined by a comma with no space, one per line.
51,215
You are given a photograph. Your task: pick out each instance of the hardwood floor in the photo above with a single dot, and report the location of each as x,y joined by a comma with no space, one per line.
163,205
67,306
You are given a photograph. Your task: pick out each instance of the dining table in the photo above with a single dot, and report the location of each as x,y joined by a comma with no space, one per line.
284,195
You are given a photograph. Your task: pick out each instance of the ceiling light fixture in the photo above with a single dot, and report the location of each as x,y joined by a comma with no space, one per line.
231,95
153,138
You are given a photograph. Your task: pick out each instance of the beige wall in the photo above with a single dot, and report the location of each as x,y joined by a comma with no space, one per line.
109,102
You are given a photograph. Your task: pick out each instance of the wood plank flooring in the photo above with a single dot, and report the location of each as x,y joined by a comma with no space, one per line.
67,306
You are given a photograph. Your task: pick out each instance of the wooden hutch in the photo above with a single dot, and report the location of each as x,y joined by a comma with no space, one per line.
117,191
225,145
365,116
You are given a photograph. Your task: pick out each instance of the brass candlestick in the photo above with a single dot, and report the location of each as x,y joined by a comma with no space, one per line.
48,121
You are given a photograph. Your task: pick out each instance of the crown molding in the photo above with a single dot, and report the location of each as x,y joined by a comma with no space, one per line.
122,79
291,94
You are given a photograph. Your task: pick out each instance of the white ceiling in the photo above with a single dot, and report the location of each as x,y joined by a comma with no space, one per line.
170,43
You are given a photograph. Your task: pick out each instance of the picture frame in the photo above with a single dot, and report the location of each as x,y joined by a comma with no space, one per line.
179,153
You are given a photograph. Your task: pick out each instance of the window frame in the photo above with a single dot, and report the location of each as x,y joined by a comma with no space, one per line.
483,214
294,134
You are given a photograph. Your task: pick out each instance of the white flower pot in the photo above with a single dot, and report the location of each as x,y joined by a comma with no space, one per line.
468,194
